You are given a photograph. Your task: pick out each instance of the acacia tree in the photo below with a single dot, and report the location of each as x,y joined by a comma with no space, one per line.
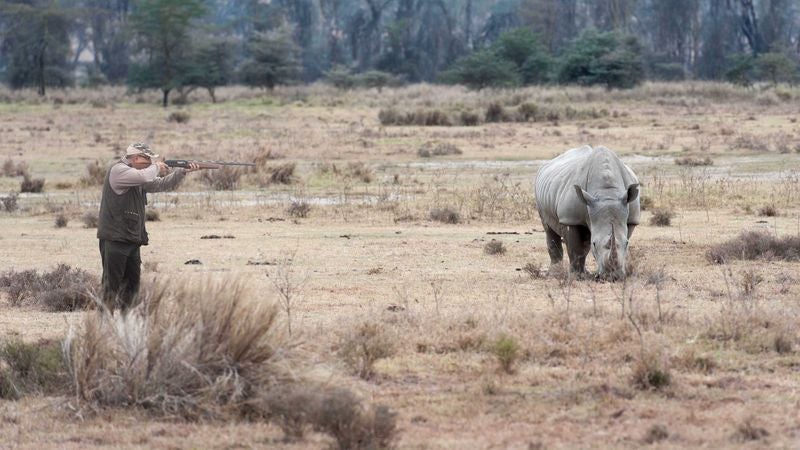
273,61
36,44
208,66
110,36
162,31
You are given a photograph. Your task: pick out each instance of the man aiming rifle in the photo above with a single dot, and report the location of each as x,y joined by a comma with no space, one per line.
121,226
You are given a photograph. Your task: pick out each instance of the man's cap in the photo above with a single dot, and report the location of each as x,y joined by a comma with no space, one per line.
140,148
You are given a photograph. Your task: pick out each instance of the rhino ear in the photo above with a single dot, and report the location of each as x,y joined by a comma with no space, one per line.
584,196
633,192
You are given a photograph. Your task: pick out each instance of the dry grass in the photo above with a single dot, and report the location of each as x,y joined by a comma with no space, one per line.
661,217
61,289
31,369
226,178
361,348
33,185
752,245
494,247
445,215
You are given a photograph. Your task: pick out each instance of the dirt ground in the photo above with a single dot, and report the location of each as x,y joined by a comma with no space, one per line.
370,252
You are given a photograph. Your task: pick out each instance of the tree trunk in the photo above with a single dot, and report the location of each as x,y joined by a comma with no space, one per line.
165,101
211,93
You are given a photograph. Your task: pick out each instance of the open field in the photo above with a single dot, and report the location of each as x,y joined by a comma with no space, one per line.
484,350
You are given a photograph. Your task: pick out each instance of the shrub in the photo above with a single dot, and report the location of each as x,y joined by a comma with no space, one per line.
529,112
610,59
469,118
506,350
90,219
14,170
210,348
693,162
482,68
494,247
31,368
495,112
367,344
748,431
61,221
179,117
445,215
441,149
223,179
95,174
299,208
768,211
645,202
62,289
750,245
282,174
152,215
656,433
662,217
359,171
650,372
534,270
10,202
31,185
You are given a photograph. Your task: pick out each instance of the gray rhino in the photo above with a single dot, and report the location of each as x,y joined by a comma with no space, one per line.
590,199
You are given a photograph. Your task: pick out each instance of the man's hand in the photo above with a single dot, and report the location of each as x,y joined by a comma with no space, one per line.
163,169
192,167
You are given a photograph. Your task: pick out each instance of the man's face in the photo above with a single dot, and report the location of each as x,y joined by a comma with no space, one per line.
140,162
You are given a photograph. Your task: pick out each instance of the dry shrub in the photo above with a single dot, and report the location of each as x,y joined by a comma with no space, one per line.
152,215
494,247
62,289
359,171
90,219
768,211
31,368
748,431
282,173
656,433
694,162
61,221
645,202
223,179
299,208
179,117
469,119
534,271
496,113
10,202
14,170
751,245
662,217
651,372
438,149
445,215
192,350
507,351
29,184
364,346
95,174
428,118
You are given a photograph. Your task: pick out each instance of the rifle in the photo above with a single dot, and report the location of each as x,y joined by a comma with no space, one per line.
184,163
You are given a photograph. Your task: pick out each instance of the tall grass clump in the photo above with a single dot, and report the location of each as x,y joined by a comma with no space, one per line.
213,350
750,245
31,368
95,174
364,346
61,289
445,215
223,179
33,185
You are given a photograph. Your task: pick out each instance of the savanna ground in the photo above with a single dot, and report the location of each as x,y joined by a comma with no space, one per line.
484,350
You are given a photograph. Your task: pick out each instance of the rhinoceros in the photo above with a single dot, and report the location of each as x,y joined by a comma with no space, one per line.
590,199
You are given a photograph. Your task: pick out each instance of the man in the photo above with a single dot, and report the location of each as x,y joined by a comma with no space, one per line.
121,228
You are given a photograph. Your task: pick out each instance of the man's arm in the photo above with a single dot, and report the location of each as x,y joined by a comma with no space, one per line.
166,183
123,177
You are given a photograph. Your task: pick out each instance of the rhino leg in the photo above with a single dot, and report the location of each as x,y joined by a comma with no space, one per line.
579,241
554,246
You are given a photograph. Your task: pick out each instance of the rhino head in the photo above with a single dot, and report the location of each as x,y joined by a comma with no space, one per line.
608,223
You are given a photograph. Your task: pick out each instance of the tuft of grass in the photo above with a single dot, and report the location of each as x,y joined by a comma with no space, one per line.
656,433
768,211
364,346
445,215
507,351
33,185
10,202
358,171
225,178
751,245
495,113
748,431
494,247
299,208
95,174
31,368
62,289
61,221
645,202
469,119
650,372
534,271
11,169
179,117
282,173
90,219
692,161
662,217
441,149
152,215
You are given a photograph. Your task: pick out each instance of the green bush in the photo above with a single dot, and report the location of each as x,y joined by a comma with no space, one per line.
609,59
483,68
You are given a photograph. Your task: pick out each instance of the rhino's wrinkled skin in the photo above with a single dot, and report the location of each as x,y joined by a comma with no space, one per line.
590,199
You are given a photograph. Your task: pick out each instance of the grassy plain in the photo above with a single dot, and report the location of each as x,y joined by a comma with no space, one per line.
369,252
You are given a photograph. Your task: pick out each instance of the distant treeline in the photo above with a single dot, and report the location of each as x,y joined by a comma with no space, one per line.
178,46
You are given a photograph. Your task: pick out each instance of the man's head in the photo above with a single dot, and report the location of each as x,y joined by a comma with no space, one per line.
139,155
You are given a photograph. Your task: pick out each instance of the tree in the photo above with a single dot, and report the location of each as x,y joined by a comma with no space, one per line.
609,59
523,48
36,44
481,69
776,67
109,34
208,66
273,61
162,30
